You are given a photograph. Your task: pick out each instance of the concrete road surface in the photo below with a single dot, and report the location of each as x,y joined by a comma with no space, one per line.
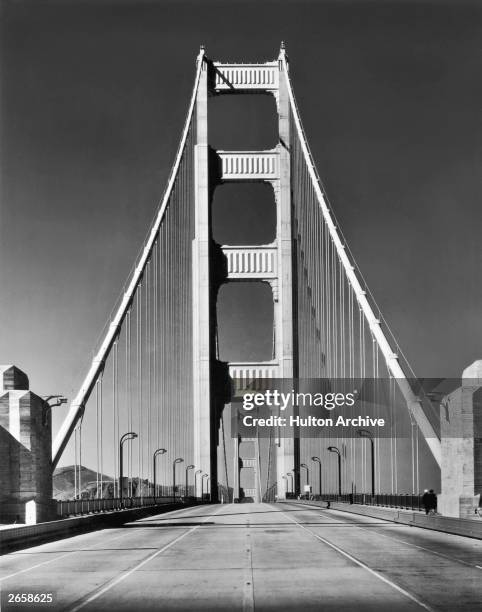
250,557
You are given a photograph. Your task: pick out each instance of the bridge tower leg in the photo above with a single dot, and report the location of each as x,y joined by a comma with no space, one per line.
287,456
202,299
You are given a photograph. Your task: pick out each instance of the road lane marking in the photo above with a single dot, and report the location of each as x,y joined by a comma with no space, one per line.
384,535
71,552
125,575
248,587
363,565
429,550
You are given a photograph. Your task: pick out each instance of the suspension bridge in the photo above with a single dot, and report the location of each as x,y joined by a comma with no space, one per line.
157,417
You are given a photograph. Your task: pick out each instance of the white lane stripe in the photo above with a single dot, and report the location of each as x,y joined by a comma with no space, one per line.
125,575
429,550
72,552
366,567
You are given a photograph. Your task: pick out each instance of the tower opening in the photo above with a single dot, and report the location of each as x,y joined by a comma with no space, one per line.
245,321
244,214
243,122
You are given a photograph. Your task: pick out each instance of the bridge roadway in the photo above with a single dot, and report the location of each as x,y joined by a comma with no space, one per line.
251,557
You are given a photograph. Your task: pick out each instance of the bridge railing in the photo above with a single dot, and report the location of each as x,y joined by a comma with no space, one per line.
404,501
271,494
89,506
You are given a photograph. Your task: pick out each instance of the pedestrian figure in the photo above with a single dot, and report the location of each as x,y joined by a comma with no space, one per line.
425,498
432,502
429,501
478,510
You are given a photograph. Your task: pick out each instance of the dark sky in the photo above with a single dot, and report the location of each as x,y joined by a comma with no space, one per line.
93,98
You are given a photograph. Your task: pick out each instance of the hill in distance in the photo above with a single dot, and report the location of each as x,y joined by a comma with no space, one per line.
64,481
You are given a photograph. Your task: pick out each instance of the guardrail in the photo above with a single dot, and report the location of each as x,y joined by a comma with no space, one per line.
17,537
404,501
471,528
90,506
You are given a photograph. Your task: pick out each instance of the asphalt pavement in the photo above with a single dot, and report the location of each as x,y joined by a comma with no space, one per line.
249,557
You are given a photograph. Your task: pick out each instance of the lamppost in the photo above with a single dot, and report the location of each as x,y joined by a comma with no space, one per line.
364,433
334,449
130,435
178,460
318,461
208,487
303,465
291,475
202,485
59,400
188,467
195,480
159,451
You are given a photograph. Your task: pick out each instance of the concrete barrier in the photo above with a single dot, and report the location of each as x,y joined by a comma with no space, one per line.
456,526
471,528
24,536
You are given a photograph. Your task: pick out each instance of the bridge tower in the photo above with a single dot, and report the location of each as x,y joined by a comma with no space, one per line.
159,353
271,263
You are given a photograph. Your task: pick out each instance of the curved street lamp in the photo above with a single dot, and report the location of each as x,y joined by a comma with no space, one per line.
318,461
159,451
334,449
178,460
58,401
364,433
130,435
188,467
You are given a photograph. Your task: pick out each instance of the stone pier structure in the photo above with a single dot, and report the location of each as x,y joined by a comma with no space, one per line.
461,435
25,451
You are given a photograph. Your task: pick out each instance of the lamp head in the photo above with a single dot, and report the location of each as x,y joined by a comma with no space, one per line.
130,435
179,460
